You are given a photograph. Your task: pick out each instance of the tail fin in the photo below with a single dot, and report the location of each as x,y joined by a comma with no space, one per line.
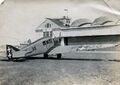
9,51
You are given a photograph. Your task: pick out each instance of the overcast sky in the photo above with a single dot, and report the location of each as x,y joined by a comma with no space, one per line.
19,18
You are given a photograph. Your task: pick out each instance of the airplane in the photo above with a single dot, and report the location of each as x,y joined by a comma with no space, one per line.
47,46
41,46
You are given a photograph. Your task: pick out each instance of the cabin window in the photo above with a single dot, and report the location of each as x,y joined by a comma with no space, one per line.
34,48
47,42
44,43
50,41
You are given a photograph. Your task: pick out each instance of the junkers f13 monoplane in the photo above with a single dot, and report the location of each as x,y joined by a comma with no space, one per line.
40,46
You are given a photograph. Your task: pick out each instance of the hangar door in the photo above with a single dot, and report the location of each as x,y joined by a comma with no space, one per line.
92,40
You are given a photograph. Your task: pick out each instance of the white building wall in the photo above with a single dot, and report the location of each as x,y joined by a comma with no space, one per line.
111,30
57,33
45,29
53,25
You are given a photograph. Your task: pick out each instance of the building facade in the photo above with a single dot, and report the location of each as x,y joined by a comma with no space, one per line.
46,28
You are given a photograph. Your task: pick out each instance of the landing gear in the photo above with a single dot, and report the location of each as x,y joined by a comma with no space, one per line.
45,55
59,56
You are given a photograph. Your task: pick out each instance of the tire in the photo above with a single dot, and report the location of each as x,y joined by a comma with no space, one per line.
45,55
59,56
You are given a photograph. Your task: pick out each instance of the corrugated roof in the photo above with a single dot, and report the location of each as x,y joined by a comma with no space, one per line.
80,22
102,20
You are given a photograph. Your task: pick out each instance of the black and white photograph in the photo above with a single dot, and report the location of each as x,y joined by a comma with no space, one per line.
59,42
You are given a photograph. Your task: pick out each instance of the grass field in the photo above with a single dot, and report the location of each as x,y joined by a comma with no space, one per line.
72,69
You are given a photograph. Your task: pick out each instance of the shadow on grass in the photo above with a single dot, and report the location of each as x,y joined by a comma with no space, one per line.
53,58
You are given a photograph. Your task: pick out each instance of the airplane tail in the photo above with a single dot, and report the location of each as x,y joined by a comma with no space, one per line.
9,51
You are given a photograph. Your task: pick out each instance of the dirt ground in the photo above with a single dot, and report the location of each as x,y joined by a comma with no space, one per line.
72,69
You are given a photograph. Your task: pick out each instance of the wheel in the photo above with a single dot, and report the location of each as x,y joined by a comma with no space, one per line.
59,56
45,55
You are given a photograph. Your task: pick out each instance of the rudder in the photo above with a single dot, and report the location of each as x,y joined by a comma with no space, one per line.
9,51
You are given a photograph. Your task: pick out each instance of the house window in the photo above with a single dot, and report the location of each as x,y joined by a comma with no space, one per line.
48,25
47,34
67,21
44,33
50,33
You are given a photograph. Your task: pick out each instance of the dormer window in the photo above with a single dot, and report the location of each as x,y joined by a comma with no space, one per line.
48,25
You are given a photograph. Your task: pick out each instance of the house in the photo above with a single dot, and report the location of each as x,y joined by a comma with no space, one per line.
47,27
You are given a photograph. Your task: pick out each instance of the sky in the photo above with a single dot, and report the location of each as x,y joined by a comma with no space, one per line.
20,18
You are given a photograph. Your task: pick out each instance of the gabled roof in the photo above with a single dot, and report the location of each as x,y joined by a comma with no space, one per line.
57,21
